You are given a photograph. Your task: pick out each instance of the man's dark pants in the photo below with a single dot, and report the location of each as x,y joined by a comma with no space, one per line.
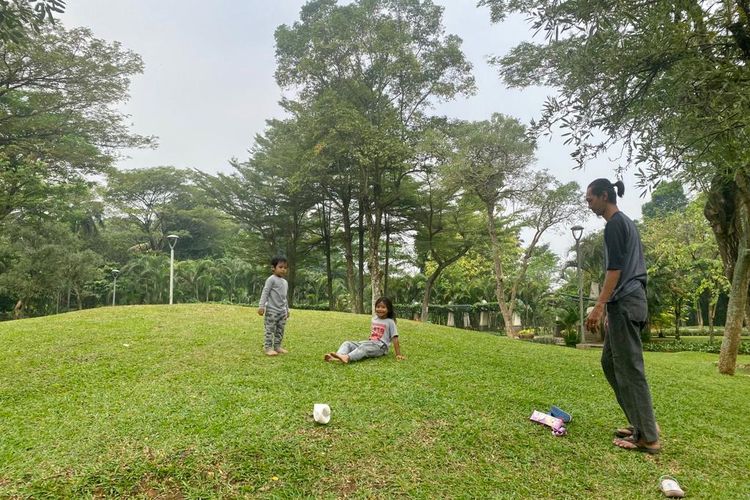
622,362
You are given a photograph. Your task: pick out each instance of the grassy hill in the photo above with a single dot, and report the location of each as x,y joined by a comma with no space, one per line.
180,402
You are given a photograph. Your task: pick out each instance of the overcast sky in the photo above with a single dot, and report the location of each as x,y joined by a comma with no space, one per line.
208,84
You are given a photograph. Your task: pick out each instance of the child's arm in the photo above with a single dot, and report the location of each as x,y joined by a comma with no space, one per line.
397,349
264,297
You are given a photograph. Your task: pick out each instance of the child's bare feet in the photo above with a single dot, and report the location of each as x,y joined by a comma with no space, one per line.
344,358
329,356
271,352
281,350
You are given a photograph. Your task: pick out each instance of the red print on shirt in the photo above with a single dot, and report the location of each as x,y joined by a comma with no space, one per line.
377,331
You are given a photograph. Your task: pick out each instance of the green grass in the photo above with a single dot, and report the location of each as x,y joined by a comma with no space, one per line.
173,402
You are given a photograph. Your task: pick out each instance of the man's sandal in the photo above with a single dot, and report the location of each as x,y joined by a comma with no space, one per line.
624,432
629,444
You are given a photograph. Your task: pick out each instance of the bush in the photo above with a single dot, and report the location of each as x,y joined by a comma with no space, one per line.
678,346
525,334
646,335
312,307
571,338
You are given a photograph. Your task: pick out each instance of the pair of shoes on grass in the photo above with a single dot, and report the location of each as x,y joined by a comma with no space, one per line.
280,350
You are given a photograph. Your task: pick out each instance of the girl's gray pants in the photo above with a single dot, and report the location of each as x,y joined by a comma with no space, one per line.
362,349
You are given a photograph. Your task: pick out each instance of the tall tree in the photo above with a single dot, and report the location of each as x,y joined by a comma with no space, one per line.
270,194
667,198
144,197
57,114
491,161
667,79
391,60
446,219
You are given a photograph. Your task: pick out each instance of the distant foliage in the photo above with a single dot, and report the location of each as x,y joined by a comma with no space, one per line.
677,346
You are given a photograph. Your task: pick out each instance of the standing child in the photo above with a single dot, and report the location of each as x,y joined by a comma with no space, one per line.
383,332
274,305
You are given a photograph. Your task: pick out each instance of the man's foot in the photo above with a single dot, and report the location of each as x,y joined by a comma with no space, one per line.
281,350
341,357
629,444
271,352
625,432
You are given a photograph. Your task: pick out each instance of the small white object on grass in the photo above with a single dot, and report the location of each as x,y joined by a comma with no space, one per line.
670,487
321,413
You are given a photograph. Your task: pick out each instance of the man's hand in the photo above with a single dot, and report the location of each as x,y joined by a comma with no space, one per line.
261,311
595,317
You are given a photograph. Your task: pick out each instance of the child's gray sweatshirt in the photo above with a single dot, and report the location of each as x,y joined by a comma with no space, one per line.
273,297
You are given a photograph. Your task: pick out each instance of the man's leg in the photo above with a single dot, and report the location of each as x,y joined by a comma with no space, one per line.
608,367
626,318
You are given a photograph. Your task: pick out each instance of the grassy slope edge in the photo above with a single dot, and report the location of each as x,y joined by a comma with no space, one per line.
180,402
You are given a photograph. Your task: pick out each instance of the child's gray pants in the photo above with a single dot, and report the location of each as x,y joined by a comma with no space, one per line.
274,323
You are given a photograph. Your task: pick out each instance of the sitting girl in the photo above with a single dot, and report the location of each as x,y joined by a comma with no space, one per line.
382,332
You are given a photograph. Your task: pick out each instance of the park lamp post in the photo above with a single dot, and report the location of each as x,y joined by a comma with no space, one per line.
577,233
115,272
172,239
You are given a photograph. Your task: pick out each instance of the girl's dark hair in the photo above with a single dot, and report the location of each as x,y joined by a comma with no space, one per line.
388,305
600,186
275,261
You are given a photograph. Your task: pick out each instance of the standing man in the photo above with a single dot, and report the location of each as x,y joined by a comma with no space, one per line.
624,296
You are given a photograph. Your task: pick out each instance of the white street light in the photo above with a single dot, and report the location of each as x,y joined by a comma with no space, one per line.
172,239
577,233
115,272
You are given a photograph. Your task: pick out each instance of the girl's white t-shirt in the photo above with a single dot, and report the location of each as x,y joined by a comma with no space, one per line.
383,330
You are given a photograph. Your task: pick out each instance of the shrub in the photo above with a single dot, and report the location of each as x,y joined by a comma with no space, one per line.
571,338
678,346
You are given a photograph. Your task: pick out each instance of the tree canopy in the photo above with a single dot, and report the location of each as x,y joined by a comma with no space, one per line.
666,79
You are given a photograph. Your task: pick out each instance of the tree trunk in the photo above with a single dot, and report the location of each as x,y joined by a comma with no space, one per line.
432,279
387,254
735,313
711,315
351,281
726,210
424,316
360,306
698,313
375,219
18,309
326,230
505,308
